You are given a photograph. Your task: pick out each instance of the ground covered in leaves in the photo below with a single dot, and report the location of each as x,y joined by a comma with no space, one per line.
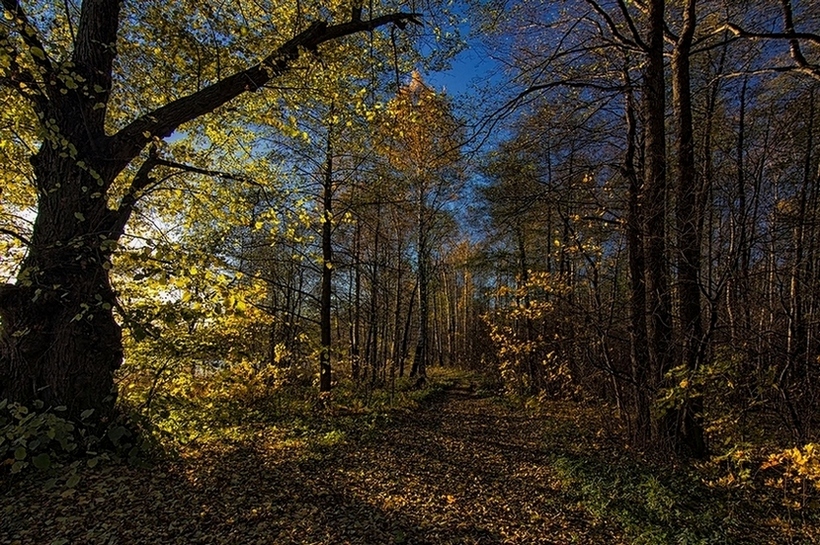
463,468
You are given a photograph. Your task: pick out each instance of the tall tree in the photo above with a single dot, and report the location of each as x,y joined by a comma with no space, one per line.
688,430
60,340
422,144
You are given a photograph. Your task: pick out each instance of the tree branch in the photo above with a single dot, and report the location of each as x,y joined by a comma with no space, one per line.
143,179
18,236
794,43
130,140
28,33
742,33
613,28
802,65
632,28
197,170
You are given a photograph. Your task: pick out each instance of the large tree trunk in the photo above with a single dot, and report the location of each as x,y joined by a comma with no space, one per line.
59,340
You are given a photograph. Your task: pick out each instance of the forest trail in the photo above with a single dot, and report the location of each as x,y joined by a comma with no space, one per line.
462,469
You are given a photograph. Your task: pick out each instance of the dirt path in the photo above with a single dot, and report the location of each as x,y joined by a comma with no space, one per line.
463,470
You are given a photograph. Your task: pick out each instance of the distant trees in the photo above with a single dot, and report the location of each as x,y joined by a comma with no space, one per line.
421,141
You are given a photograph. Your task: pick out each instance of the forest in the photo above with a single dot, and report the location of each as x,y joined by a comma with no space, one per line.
409,272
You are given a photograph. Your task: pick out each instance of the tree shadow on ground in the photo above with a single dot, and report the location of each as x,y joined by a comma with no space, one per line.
463,470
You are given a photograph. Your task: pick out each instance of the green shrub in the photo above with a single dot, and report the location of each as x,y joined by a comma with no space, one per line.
34,437
41,438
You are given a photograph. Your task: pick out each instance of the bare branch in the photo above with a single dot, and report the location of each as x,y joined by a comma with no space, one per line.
742,33
802,65
143,179
613,28
15,235
631,23
197,170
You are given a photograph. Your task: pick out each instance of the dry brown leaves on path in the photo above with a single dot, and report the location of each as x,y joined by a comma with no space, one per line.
462,470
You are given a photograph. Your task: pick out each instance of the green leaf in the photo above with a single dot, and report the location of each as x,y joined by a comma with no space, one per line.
116,433
20,453
42,461
86,413
79,216
72,481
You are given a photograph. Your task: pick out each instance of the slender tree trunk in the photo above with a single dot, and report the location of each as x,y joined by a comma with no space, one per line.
688,433
325,377
421,358
355,357
639,348
372,346
405,338
795,370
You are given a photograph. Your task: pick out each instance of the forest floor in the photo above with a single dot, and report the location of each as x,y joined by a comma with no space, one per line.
462,468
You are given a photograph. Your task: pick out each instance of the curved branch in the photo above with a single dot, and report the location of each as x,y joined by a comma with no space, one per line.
613,28
15,235
740,32
19,79
143,179
131,139
28,33
801,64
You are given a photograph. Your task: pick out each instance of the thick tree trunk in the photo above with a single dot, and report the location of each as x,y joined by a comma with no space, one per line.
59,340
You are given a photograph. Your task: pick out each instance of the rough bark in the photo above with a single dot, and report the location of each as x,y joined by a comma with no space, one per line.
60,341
658,296
639,349
688,432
